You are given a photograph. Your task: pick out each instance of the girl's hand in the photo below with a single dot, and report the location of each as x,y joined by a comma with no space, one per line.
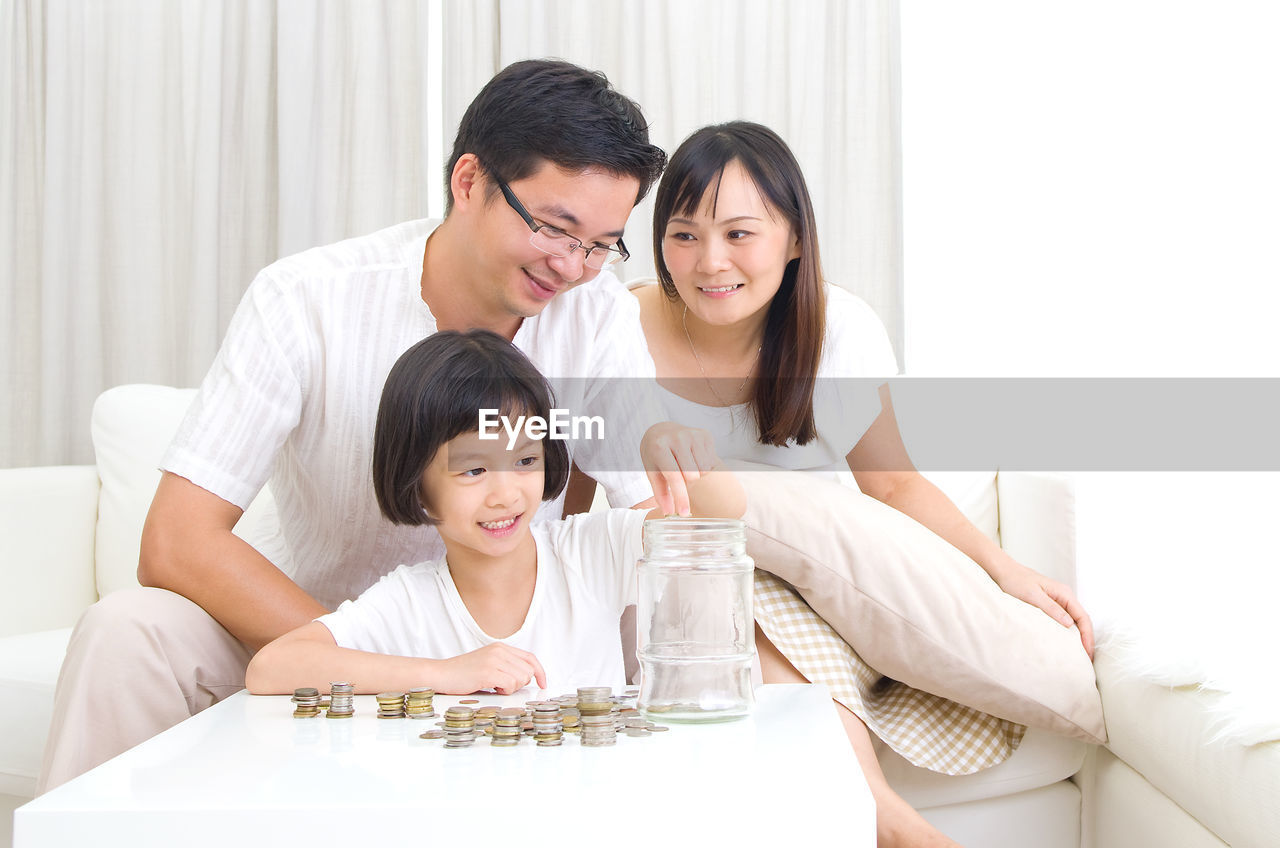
499,667
674,458
1056,599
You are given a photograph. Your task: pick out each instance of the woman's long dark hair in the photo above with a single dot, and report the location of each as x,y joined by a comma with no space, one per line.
782,399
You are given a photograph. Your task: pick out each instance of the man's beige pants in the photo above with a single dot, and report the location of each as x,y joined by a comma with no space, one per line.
139,662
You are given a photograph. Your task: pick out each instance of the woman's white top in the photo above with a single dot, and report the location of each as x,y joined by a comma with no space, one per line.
857,358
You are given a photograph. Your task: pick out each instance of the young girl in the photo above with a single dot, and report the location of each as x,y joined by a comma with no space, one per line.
511,601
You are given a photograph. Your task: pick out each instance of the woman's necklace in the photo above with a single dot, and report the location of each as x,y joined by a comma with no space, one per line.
684,322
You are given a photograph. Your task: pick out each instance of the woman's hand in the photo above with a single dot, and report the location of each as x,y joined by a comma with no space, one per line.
1056,599
675,457
498,666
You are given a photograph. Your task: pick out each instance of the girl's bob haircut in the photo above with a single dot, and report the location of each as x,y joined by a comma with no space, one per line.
435,392
782,396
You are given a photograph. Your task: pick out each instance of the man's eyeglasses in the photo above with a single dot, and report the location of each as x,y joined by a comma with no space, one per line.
556,242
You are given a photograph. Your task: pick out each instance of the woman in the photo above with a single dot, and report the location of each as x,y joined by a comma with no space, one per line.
752,344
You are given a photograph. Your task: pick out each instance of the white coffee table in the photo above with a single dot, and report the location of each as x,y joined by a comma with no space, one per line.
246,773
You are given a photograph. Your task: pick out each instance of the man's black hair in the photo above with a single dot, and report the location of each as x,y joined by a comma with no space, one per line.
548,110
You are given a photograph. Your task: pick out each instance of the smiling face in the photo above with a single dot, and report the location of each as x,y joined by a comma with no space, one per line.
483,495
516,279
728,257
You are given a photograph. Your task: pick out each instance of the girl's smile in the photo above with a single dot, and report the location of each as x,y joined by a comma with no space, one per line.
502,527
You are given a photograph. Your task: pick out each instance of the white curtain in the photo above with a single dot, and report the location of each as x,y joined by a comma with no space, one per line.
154,155
157,154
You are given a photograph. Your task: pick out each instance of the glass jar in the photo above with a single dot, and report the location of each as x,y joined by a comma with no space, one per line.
694,618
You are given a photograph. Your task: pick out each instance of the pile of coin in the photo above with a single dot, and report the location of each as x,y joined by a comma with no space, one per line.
508,726
390,704
594,713
308,701
418,703
628,718
595,709
342,700
459,727
570,719
548,725
484,719
636,726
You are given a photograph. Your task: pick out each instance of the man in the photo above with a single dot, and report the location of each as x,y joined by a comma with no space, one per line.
548,162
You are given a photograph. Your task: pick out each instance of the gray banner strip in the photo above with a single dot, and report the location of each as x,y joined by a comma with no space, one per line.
1060,424
1173,424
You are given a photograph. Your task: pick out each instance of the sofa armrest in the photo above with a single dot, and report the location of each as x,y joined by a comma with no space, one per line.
1038,521
47,519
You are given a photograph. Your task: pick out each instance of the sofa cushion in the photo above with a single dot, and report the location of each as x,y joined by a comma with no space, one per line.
915,608
1167,734
1048,817
1042,759
46,546
131,427
29,666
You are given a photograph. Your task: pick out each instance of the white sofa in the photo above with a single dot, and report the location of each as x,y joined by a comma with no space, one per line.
70,535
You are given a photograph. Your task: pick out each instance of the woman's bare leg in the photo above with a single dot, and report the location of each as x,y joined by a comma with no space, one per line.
898,825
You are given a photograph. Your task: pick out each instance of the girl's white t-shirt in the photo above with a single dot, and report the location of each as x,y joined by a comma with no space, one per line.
586,576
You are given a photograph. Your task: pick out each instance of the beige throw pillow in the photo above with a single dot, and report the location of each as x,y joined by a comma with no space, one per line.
915,608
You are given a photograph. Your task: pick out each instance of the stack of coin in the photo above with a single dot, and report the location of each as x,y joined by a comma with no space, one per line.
597,731
526,722
569,712
596,710
459,727
484,719
595,695
506,727
418,703
308,701
548,728
342,700
625,717
390,705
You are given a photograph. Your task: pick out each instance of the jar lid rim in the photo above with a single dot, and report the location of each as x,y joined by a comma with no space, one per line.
688,521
